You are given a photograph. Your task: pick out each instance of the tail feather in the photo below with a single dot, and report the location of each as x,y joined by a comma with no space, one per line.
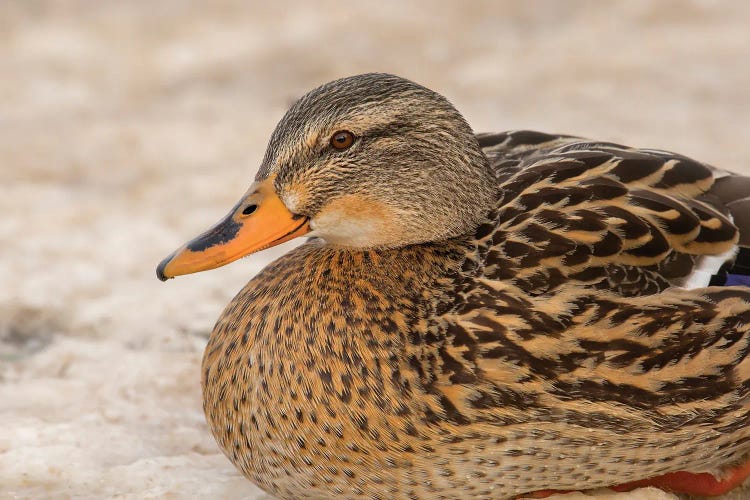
740,211
733,192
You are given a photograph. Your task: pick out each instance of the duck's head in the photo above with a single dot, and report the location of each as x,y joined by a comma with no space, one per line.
369,161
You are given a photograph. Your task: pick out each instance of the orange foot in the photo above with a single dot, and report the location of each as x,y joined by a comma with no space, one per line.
544,493
702,484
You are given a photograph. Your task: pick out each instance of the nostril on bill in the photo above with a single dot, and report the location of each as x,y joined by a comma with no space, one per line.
249,209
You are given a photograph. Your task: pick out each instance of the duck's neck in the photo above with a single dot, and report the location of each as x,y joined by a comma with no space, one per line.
321,295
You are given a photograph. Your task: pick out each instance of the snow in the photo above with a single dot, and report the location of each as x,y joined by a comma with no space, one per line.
127,128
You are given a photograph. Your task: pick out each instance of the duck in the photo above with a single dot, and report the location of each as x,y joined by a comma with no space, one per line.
477,315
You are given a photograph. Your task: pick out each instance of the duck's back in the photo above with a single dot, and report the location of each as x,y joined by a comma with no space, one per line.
638,220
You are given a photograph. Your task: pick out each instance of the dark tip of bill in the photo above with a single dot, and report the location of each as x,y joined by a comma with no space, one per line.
160,268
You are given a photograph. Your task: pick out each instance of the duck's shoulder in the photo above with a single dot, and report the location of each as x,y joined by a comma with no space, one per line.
567,294
608,215
510,151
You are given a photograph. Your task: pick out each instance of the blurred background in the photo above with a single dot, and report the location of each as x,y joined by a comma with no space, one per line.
128,127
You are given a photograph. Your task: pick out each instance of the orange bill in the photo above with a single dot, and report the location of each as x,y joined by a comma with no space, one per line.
259,221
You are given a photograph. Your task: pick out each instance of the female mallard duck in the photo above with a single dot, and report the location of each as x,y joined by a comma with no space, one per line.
488,315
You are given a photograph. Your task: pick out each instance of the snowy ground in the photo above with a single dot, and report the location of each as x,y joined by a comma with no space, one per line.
128,127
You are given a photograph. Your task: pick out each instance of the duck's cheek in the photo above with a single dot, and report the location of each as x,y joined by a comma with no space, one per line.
345,232
356,221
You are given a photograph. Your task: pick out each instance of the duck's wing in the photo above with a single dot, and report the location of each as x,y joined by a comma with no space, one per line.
564,321
635,221
574,286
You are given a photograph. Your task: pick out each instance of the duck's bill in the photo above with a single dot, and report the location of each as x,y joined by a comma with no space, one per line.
259,221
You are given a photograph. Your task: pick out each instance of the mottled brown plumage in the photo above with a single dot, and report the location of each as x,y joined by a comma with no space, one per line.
531,316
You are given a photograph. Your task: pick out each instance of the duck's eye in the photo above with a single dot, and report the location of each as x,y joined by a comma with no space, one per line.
342,139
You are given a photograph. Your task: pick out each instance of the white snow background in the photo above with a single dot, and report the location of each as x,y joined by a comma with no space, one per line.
127,128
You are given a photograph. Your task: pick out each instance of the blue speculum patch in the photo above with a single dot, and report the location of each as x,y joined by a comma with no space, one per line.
737,280
738,274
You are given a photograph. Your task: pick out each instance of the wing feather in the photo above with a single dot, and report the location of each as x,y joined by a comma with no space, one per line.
574,204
